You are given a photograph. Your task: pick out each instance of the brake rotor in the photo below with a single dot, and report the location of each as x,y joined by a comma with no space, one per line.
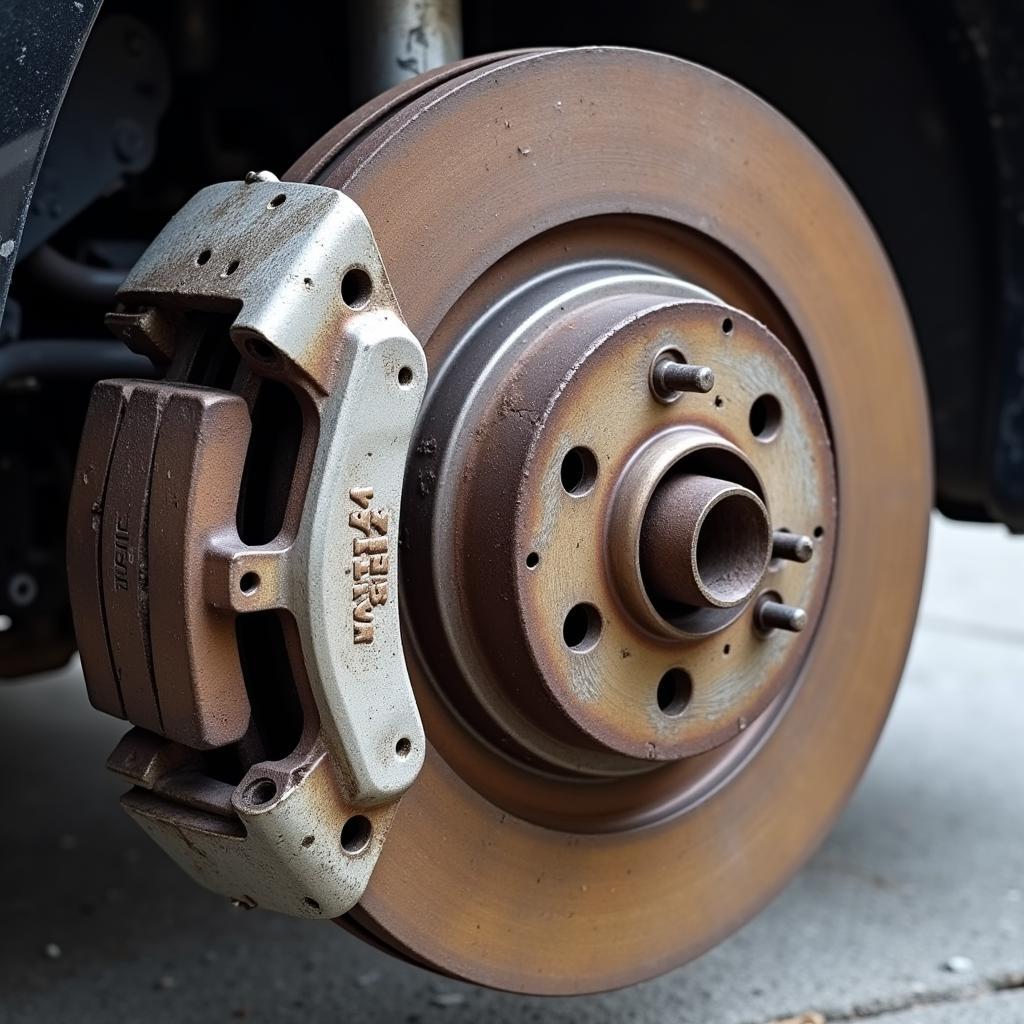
629,752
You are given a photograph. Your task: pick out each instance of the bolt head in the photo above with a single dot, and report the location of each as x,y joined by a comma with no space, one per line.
254,176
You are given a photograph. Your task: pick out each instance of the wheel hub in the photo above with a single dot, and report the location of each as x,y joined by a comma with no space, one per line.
611,537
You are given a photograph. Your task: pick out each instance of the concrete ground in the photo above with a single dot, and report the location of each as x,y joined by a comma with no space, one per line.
913,911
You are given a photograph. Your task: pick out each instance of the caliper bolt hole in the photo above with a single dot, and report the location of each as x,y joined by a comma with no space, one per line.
356,288
532,560
404,377
355,834
260,792
261,351
249,583
403,748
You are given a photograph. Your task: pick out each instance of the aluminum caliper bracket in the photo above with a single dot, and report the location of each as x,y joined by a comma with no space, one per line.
160,575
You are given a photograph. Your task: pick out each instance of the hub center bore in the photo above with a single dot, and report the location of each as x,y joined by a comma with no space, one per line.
704,542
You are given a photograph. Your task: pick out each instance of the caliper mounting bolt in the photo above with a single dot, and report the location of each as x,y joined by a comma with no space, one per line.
252,177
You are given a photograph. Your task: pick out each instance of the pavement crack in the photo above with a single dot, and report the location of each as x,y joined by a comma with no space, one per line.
881,1008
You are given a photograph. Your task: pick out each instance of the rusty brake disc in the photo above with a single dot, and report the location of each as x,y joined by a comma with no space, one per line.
663,520
658,328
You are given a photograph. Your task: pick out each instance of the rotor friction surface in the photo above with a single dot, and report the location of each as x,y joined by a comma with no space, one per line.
538,152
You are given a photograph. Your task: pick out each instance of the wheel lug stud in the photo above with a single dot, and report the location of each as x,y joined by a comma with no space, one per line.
670,377
793,547
769,615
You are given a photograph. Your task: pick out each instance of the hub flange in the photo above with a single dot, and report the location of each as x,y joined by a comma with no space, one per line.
608,547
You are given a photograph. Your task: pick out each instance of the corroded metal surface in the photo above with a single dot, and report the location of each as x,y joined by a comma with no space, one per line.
705,542
279,257
536,881
562,554
156,492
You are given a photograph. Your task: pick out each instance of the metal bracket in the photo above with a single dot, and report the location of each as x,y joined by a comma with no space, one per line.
298,268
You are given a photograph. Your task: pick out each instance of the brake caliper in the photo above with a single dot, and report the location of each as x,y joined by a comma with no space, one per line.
232,546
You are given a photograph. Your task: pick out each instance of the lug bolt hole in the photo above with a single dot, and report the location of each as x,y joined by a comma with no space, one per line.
532,560
765,417
404,377
581,628
403,748
356,288
355,834
277,201
674,692
204,257
579,471
819,532
727,325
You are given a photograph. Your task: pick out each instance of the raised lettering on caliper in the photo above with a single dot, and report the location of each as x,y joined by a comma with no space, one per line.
370,563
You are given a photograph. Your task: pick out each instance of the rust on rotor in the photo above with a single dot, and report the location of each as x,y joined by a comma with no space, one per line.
647,302
509,863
